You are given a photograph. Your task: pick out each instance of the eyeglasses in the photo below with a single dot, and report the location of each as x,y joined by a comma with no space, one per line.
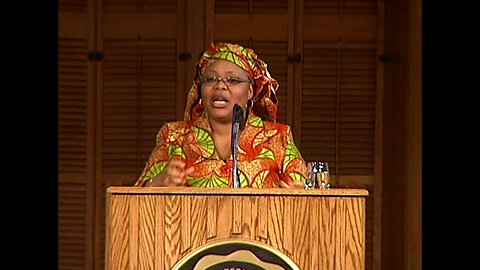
228,81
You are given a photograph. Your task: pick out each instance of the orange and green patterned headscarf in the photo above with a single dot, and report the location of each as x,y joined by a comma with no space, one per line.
264,101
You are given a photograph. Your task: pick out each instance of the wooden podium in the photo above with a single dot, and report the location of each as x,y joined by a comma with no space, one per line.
157,228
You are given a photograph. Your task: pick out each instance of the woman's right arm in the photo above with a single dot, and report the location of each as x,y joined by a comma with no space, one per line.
164,167
174,174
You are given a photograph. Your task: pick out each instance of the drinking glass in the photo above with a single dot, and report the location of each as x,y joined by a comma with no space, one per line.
318,175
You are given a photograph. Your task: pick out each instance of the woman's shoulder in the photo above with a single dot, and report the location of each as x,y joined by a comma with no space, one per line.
256,121
171,131
174,125
269,125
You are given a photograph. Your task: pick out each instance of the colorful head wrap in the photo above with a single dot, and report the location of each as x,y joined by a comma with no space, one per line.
264,101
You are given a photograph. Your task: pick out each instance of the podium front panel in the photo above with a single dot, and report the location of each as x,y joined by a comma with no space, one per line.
154,228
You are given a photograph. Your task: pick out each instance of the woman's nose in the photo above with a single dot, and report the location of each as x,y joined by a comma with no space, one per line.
220,83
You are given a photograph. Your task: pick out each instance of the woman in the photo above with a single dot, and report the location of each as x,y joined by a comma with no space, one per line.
197,151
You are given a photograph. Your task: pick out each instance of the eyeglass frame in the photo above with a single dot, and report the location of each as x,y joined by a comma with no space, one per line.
216,79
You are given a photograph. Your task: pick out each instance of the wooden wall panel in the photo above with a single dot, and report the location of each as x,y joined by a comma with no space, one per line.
158,6
139,95
75,137
402,199
140,87
338,107
275,54
72,106
340,91
72,225
264,27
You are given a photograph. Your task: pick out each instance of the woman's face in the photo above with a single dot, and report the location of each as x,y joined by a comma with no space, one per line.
219,96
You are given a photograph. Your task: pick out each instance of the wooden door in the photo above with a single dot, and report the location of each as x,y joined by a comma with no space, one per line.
264,26
338,98
76,144
140,87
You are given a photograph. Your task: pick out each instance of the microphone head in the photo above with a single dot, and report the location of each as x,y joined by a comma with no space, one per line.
238,115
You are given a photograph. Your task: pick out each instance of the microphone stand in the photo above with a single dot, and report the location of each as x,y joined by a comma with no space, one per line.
237,124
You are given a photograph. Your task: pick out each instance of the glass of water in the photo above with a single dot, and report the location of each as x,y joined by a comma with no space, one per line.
318,175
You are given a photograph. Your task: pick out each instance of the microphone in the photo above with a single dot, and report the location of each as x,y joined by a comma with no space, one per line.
238,124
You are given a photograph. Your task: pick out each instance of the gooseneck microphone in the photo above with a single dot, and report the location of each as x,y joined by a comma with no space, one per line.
238,124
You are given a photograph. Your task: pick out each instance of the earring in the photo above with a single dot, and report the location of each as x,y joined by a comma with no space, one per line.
200,101
249,104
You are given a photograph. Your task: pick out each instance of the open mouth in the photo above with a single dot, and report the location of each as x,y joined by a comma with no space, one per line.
219,102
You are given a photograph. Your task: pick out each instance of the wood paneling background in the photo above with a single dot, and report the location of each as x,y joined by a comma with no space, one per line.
121,77
402,173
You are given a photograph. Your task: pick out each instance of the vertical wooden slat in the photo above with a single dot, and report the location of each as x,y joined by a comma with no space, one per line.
262,230
212,203
224,217
413,141
185,223
159,263
247,218
209,22
199,221
289,213
301,217
105,262
172,230
337,113
181,48
101,185
255,219
275,222
119,236
133,202
137,110
340,234
354,235
147,225
237,215
93,256
290,86
314,228
195,36
378,143
327,232
298,75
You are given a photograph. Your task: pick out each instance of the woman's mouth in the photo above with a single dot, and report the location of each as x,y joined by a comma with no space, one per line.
219,102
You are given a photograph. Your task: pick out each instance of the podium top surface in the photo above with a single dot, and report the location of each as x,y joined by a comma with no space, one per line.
338,192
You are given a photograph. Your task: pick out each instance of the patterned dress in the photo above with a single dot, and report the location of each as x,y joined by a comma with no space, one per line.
267,153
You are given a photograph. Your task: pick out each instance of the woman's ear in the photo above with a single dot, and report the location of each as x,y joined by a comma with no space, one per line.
250,92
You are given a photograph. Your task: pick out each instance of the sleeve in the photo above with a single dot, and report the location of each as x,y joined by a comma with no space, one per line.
294,167
158,159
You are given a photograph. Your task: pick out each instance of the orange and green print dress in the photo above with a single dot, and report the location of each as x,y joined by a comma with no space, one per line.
267,153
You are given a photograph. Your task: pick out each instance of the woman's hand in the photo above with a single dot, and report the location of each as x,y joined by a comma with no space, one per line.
294,184
174,175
